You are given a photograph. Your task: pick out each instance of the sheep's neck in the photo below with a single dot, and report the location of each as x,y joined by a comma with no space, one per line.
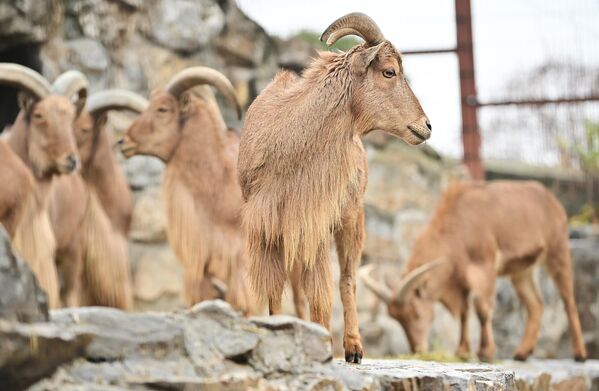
102,174
201,148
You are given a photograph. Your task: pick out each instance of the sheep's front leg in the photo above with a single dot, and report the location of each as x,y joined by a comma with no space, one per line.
350,241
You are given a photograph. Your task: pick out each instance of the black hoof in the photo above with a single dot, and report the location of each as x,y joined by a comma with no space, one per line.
353,358
520,357
580,358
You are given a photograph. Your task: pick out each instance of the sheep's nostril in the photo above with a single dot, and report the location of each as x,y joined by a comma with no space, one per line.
72,162
120,141
429,126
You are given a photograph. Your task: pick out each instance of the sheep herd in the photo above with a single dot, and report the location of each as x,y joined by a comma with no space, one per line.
244,215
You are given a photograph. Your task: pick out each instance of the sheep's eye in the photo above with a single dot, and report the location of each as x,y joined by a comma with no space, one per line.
389,73
37,116
162,109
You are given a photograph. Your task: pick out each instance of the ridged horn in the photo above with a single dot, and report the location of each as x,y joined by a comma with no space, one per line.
70,83
24,78
413,279
191,77
355,23
116,99
379,289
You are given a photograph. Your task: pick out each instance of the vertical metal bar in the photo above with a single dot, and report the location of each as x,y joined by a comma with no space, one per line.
470,133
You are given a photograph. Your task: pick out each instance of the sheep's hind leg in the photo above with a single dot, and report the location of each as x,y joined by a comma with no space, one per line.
528,293
267,278
350,240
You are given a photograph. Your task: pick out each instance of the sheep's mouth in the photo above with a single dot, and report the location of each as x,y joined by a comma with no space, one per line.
128,150
421,135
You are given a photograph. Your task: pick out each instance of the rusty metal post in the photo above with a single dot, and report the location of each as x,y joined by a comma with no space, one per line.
470,133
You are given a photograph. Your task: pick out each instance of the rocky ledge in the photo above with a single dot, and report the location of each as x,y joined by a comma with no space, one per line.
210,347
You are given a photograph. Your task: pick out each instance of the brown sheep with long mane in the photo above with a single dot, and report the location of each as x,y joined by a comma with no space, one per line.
42,137
91,212
481,231
303,169
201,193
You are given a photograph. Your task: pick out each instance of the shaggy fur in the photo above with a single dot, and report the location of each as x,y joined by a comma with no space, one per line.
200,190
302,170
17,186
481,231
42,138
106,276
34,241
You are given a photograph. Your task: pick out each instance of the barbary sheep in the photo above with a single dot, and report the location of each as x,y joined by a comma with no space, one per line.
303,169
91,212
200,188
481,231
42,137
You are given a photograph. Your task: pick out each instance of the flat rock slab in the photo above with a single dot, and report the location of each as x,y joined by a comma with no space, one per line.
211,347
533,375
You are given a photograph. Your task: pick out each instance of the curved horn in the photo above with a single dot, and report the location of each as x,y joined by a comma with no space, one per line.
380,290
194,76
355,23
413,278
116,99
70,83
220,287
24,78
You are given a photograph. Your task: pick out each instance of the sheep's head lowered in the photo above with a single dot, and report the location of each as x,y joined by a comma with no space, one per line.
157,131
46,139
409,303
381,97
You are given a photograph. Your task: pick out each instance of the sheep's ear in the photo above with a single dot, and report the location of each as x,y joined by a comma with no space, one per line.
185,102
26,102
364,58
100,120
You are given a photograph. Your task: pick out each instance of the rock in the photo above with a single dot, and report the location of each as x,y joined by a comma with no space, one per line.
208,347
21,298
158,277
185,25
143,172
28,21
88,55
148,223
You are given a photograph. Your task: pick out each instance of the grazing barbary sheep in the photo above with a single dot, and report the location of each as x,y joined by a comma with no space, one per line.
42,137
481,231
200,188
303,169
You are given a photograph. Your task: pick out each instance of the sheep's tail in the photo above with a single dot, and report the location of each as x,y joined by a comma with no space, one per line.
34,240
106,277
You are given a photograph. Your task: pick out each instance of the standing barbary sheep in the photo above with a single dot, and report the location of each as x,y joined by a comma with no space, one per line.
200,188
42,137
302,167
91,212
481,231
106,262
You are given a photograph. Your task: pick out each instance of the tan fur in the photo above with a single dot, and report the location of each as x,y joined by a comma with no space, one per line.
200,191
17,185
106,276
302,170
482,231
42,138
34,241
